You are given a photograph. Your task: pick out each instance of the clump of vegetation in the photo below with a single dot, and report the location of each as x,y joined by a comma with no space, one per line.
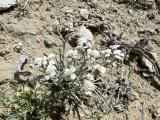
72,82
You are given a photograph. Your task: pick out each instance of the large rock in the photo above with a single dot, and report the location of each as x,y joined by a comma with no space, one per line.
5,4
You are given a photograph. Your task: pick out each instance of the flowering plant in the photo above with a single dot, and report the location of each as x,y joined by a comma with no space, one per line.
69,81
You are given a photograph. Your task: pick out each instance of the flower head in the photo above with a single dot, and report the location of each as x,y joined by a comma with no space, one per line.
90,77
51,56
40,62
88,93
118,54
89,86
101,69
95,54
71,54
70,72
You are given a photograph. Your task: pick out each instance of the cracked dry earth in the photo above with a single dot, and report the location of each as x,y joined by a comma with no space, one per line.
119,16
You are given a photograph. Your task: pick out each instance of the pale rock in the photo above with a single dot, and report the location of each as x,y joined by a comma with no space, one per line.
84,13
5,4
147,63
85,33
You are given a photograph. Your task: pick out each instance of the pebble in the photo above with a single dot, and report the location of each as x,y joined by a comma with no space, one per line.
85,33
151,16
48,41
84,13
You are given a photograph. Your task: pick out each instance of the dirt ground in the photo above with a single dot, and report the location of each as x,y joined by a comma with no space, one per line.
32,25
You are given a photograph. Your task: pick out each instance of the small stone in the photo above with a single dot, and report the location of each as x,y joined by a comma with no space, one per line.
5,4
151,16
114,64
18,47
85,33
147,63
130,11
48,41
67,10
157,30
84,13
20,64
119,108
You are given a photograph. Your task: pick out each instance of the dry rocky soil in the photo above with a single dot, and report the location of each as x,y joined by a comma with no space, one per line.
33,23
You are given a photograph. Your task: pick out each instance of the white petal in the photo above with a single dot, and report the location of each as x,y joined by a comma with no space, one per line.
95,53
52,75
95,67
122,54
72,69
89,51
117,52
102,69
118,57
44,63
66,71
114,47
51,62
47,77
73,76
88,93
89,85
107,55
51,56
90,77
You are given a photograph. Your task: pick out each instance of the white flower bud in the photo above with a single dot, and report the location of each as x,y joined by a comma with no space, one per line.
107,55
72,69
122,55
38,62
73,76
88,93
95,54
72,54
95,67
52,75
107,51
51,62
102,70
51,56
117,52
113,47
118,57
67,72
47,77
50,68
90,77
89,86
89,51
70,72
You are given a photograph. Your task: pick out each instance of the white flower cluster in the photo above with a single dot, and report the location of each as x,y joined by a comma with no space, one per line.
100,69
107,53
93,53
47,64
113,51
83,44
118,54
88,87
70,72
71,55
